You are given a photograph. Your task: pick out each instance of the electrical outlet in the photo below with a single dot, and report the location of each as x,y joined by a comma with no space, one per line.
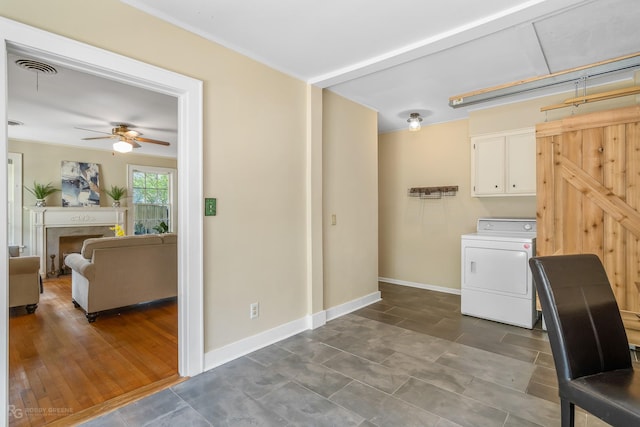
254,310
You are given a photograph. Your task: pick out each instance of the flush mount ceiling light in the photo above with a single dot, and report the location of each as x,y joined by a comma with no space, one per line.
414,122
122,146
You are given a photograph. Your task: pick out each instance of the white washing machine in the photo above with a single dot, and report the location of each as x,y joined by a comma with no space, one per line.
496,280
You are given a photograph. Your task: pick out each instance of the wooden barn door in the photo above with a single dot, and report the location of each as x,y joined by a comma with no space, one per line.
588,197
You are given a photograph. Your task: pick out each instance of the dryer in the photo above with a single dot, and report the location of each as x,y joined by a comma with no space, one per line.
496,280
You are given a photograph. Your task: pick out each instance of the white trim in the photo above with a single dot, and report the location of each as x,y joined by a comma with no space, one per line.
250,344
188,92
317,319
16,159
353,305
4,249
420,285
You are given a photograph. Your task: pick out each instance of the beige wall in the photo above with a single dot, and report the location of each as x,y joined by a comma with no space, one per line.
41,163
420,239
254,159
350,192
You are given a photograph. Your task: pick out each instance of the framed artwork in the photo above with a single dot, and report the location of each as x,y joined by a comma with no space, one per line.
80,183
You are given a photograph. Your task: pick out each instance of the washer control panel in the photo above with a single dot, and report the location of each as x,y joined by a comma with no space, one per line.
506,225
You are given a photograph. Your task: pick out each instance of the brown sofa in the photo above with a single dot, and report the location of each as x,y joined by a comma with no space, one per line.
113,272
24,282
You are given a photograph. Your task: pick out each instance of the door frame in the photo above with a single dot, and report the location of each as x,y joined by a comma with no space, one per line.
15,36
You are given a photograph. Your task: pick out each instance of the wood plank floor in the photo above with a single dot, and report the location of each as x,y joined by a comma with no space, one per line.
59,364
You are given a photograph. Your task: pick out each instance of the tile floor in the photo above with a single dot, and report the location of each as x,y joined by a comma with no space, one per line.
410,360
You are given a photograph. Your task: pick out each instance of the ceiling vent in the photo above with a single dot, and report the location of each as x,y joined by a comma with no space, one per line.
37,66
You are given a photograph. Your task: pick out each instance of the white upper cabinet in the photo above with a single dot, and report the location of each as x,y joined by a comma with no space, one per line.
504,164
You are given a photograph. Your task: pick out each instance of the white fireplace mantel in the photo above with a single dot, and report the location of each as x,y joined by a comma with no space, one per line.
47,217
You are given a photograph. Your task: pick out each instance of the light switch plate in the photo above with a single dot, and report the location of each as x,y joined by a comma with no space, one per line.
209,206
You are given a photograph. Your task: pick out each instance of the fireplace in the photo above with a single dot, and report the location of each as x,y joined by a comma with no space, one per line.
53,227
62,241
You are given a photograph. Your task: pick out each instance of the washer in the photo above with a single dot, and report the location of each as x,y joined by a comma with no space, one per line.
496,280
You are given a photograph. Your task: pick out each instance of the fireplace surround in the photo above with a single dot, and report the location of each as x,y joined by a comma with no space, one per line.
49,224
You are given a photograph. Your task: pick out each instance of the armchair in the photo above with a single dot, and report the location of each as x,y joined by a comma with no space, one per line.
24,282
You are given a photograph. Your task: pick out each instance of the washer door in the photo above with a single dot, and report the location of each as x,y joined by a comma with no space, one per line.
497,270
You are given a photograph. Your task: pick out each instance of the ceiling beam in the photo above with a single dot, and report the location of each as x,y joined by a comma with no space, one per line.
532,10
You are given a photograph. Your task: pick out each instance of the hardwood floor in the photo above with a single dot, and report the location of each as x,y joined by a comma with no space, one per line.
59,364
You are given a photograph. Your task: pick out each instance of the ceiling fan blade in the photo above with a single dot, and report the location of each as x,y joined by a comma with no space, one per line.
153,141
133,143
92,130
98,137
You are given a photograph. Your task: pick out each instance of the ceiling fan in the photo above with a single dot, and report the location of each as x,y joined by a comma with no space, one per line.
127,139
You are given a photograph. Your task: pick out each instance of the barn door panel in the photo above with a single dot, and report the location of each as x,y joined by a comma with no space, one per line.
615,236
570,150
588,175
633,200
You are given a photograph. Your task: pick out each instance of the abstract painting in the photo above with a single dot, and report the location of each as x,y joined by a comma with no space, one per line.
80,183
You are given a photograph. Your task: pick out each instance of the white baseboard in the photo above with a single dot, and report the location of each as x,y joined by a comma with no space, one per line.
420,285
250,344
317,319
353,305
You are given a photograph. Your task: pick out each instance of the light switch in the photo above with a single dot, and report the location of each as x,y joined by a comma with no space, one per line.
210,206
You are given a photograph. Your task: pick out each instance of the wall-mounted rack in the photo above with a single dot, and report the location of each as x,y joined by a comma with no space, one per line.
433,192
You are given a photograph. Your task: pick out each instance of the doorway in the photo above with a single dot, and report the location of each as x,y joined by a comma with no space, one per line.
188,92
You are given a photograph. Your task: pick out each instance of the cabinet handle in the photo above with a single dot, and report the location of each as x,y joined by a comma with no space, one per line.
496,186
514,186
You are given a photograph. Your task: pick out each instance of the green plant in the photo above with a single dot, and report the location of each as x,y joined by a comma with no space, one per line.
162,228
116,193
42,190
139,228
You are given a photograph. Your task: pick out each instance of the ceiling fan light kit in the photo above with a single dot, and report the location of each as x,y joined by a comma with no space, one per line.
122,146
127,139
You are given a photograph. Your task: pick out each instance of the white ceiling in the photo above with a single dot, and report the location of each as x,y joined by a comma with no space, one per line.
52,107
395,57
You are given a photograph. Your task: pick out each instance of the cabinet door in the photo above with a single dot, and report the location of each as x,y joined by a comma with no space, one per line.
488,161
521,163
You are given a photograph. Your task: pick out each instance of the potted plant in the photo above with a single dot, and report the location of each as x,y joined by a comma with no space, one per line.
161,228
41,191
116,193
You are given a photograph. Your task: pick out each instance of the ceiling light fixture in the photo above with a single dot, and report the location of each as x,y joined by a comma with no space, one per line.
414,122
122,146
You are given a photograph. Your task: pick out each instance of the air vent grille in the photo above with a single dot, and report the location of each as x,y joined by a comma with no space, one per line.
37,66
14,123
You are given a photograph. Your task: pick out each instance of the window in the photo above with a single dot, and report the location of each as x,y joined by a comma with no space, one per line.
14,179
152,195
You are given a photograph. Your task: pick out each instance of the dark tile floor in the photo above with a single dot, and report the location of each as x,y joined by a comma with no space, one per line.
409,360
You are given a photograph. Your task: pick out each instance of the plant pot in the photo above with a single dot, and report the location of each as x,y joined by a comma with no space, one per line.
40,203
116,203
